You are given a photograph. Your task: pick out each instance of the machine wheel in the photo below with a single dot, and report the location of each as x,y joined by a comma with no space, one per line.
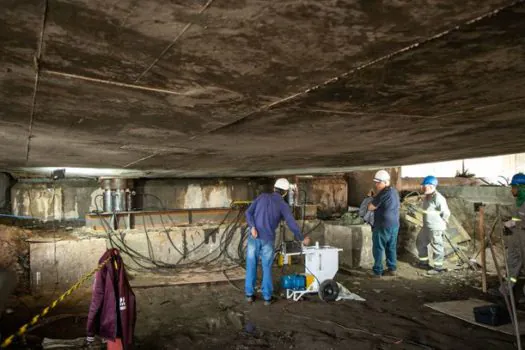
328,290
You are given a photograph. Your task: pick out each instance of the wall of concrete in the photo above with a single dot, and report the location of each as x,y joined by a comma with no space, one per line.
60,263
355,240
69,199
72,199
360,182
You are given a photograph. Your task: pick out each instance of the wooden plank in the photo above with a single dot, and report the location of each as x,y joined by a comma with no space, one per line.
463,309
189,276
483,250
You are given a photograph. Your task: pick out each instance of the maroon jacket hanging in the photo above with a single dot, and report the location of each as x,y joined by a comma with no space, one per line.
112,312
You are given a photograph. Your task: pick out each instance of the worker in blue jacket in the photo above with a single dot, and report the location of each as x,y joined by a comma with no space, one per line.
385,205
263,217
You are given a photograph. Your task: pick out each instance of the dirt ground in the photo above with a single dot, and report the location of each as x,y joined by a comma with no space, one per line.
215,316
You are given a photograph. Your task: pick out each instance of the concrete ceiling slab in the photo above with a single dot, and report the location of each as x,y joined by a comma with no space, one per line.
223,88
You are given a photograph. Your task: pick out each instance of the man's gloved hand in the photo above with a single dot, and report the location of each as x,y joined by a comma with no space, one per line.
509,224
306,240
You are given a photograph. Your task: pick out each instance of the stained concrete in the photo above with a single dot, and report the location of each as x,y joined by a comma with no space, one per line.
197,193
260,88
72,199
59,200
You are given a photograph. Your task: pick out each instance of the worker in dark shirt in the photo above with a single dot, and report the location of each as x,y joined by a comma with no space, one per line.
263,217
385,206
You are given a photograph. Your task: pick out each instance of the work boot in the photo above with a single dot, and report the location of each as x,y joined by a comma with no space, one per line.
375,276
436,271
250,299
390,273
268,302
422,266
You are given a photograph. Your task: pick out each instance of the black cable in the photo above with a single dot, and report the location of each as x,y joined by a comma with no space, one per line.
117,240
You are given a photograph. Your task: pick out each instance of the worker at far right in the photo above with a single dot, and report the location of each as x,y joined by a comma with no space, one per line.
515,232
435,220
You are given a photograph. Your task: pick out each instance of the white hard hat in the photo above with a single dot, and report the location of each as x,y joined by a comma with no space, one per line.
282,184
382,176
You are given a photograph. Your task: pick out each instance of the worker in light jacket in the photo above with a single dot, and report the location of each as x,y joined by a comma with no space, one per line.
112,312
263,216
435,219
515,236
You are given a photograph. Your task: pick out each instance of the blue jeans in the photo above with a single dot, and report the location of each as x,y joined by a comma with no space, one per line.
384,242
255,250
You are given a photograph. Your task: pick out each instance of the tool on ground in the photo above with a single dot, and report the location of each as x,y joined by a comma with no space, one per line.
460,254
492,315
480,207
321,265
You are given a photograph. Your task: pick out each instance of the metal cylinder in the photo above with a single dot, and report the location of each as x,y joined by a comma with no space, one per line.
118,195
119,200
130,195
107,205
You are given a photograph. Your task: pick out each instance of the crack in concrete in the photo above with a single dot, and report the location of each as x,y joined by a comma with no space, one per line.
186,27
364,66
140,160
37,59
397,115
111,82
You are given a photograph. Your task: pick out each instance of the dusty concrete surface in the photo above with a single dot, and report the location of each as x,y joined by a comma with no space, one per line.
356,242
215,316
228,78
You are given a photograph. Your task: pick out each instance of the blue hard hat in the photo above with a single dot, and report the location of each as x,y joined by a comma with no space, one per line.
430,180
518,179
